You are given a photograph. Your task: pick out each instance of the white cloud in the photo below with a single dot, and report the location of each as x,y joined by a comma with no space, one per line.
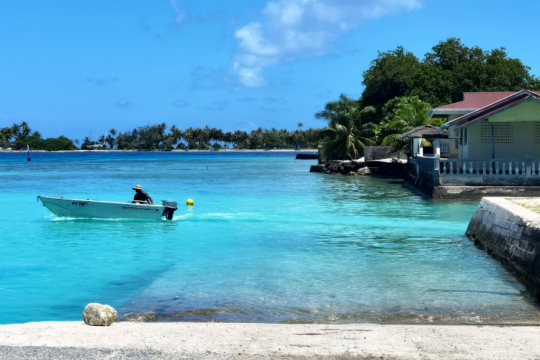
250,76
290,29
177,6
218,105
247,99
123,104
179,103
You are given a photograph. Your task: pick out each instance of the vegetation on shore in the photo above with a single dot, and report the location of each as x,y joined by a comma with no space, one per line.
347,133
156,137
399,90
18,136
160,137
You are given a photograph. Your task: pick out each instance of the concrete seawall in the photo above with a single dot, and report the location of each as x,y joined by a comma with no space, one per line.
510,233
221,341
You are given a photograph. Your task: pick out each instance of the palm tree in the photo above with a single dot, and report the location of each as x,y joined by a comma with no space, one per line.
227,138
300,125
25,129
110,139
411,114
347,134
16,131
175,134
6,134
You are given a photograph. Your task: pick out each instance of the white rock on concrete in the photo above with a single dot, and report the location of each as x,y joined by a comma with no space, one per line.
364,171
99,315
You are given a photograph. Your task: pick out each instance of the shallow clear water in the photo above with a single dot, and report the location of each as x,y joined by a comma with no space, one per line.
266,241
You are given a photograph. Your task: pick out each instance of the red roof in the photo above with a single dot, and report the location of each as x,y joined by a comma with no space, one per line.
486,111
478,100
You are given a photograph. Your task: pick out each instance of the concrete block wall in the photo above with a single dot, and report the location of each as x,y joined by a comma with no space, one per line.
488,180
423,173
510,233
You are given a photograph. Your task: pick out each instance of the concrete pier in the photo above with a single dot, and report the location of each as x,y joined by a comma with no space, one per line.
510,233
168,341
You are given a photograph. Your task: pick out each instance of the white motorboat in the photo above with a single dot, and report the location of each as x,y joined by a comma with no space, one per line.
77,208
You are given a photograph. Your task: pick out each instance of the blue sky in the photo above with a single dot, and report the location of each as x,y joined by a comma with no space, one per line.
68,67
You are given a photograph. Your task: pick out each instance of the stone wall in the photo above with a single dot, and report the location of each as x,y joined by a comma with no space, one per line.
511,234
478,192
488,180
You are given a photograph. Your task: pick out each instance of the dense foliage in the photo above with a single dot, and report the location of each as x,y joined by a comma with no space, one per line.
408,113
18,136
401,89
443,75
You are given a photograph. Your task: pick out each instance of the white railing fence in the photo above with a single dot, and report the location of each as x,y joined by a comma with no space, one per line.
525,167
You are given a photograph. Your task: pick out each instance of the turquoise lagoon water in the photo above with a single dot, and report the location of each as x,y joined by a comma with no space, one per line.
265,242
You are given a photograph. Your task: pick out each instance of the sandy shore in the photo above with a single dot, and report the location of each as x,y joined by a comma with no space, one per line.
267,341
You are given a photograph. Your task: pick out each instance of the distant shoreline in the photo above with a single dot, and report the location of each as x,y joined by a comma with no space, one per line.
203,151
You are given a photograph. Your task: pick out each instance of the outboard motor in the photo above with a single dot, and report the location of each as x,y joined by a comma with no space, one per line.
170,208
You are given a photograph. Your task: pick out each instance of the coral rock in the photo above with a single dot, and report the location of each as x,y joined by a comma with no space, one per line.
364,171
99,315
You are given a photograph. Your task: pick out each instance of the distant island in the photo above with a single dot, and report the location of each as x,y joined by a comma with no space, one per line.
162,138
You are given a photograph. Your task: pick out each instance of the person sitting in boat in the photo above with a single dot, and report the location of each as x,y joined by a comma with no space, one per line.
142,196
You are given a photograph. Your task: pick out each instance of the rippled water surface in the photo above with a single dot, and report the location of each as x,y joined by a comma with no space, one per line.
266,241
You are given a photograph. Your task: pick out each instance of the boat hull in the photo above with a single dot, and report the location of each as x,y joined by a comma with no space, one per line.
101,209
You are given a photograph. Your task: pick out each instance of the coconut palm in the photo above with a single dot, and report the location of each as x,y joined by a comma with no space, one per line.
16,131
110,139
347,134
25,129
411,114
6,134
175,134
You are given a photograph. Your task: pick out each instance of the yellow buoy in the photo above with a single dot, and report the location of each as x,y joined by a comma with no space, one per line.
189,202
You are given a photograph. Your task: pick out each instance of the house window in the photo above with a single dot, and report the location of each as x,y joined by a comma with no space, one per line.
485,135
503,132
445,146
537,132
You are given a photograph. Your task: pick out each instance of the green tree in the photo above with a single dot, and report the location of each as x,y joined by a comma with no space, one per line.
347,133
6,134
390,75
410,113
443,75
